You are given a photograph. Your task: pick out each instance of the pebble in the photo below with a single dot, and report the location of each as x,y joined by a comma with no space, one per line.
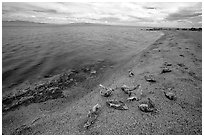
131,73
167,64
150,78
93,72
170,95
165,70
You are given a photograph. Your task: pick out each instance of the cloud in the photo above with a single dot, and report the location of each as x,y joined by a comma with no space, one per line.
110,19
190,16
151,8
126,13
46,11
183,14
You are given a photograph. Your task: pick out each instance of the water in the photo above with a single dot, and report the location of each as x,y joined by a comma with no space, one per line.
31,52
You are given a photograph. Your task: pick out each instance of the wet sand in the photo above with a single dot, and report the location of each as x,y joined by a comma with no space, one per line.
62,115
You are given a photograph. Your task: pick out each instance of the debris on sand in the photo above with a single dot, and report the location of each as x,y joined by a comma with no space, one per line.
181,64
117,104
92,116
93,72
150,78
147,106
41,93
165,70
129,90
167,64
23,130
170,95
132,98
108,91
26,129
131,73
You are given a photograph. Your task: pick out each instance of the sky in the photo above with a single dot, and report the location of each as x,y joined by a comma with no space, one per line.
155,14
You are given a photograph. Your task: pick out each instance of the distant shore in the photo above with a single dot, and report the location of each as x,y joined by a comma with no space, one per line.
27,23
185,29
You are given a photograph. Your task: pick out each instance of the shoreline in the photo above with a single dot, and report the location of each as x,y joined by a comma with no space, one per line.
172,47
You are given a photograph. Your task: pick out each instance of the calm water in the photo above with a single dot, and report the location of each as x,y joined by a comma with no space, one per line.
32,52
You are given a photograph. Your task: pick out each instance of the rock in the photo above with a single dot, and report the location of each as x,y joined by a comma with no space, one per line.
25,99
147,106
150,78
131,73
53,89
151,92
170,95
181,64
4,108
117,104
167,64
86,69
17,102
165,70
107,92
47,76
71,79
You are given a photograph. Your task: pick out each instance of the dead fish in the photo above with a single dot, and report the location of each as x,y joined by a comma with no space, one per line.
147,106
126,89
131,73
133,98
92,116
150,78
170,95
129,90
90,120
108,91
117,104
95,109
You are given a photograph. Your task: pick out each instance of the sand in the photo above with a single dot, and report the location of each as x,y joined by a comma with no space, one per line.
182,50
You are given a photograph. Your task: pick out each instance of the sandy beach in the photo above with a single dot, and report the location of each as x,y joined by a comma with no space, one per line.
64,112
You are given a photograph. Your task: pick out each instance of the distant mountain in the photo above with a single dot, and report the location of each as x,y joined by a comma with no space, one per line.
89,24
20,23
29,23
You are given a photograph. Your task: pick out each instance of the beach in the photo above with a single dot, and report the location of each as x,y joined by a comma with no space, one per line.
64,111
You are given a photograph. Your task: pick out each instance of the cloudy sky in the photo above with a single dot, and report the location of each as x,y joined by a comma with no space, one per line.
137,14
